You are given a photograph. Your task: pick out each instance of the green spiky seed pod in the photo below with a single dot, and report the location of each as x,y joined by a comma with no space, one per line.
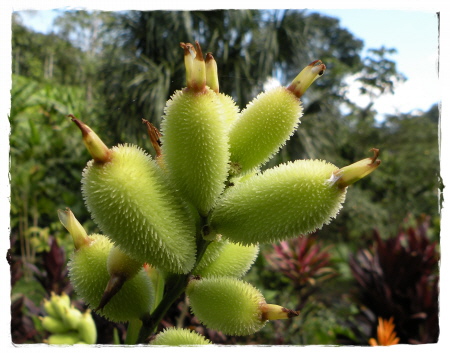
286,201
120,264
283,202
195,147
87,329
269,120
121,268
131,200
179,337
263,127
230,111
211,254
234,260
89,276
68,338
232,306
226,304
53,325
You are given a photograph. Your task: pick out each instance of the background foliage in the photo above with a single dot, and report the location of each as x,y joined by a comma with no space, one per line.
111,69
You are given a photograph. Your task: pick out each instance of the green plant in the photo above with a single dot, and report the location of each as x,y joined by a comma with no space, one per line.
66,324
203,190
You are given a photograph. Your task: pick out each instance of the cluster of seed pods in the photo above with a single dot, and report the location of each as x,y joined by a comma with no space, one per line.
202,205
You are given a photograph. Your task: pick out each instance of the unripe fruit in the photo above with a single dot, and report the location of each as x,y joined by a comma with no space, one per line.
263,127
89,276
269,120
195,147
87,328
234,260
53,325
120,264
212,252
60,303
48,307
72,318
226,304
179,337
230,110
68,338
283,202
121,268
131,201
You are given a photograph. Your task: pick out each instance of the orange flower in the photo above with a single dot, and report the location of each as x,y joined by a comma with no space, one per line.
385,333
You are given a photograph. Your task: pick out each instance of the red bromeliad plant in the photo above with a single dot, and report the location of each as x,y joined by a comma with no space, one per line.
399,278
304,261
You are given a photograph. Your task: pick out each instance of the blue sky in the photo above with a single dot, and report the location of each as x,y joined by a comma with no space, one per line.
413,33
415,36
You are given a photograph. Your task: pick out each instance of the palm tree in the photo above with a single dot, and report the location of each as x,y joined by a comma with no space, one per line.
146,65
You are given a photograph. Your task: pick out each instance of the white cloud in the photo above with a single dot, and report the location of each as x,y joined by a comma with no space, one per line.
419,92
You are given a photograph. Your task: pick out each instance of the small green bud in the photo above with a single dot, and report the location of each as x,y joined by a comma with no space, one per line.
89,276
64,299
282,202
48,307
72,317
229,305
132,201
234,260
87,328
60,303
68,338
195,147
53,325
179,337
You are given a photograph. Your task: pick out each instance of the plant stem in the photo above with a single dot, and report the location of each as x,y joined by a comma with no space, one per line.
179,283
150,322
159,289
133,331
